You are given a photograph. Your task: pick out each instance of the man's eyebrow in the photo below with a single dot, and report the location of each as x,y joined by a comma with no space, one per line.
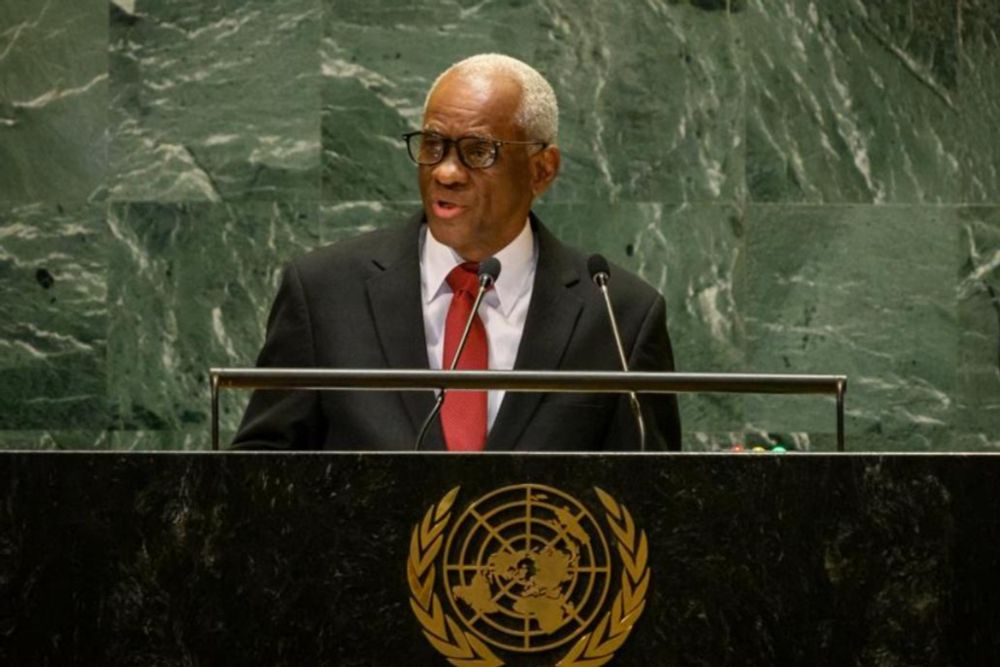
483,134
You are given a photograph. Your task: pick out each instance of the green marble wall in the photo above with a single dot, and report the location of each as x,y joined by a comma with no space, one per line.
813,185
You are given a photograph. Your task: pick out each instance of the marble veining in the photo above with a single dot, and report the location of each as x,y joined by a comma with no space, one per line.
207,101
812,185
53,333
53,100
823,127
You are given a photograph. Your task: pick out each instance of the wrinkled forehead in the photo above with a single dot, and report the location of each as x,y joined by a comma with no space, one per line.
484,99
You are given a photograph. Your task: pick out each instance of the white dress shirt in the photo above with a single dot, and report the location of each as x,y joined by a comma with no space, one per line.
502,310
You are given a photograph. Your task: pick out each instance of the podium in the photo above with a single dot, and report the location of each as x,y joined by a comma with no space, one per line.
329,559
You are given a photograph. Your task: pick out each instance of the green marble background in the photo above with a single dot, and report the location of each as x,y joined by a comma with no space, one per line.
813,185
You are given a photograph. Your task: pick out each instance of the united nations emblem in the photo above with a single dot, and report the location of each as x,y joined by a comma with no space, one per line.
527,569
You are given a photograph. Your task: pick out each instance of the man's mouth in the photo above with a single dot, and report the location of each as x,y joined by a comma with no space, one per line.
445,209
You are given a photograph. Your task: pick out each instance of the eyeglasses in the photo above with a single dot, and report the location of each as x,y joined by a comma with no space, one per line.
428,149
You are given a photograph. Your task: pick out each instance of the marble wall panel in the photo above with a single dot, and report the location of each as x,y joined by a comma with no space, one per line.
348,219
54,439
190,286
692,133
53,100
689,254
864,291
651,94
852,102
979,94
182,439
53,332
977,423
214,101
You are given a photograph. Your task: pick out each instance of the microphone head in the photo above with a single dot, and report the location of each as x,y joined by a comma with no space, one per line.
598,268
489,271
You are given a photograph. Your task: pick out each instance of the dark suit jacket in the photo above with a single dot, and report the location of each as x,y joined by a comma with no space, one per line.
357,304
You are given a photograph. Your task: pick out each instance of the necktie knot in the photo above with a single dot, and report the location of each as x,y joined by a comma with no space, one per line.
464,278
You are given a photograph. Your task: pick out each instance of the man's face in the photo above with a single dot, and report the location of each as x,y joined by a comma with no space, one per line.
479,211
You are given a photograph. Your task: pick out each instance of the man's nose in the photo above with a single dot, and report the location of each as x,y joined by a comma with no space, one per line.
450,170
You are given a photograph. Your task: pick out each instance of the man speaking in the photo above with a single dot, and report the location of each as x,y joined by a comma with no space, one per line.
402,297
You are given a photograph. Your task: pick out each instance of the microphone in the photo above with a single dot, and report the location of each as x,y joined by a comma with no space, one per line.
489,271
600,273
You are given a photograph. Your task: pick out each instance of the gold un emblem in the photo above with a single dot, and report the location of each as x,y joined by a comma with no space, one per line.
527,569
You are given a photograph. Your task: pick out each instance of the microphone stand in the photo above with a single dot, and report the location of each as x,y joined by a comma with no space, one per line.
601,280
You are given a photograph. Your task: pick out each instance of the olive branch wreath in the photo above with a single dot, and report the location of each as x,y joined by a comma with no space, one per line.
463,649
597,648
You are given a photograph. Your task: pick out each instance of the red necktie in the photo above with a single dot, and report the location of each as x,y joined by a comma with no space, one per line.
463,415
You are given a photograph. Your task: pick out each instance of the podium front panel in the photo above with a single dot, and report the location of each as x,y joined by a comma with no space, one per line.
407,559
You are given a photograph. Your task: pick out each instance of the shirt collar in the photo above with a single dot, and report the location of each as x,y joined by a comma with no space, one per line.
517,268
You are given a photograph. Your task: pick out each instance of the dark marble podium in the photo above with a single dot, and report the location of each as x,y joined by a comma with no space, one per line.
300,559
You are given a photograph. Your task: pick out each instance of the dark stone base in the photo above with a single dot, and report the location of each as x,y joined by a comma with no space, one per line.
279,559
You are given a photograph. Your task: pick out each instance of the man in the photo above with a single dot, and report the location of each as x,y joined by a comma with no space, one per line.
399,298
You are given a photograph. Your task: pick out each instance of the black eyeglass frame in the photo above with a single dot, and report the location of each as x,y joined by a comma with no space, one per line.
448,142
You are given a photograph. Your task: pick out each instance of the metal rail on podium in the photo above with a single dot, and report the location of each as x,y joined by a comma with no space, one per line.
526,381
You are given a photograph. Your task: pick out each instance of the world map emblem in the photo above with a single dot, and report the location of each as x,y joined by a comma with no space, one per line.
527,569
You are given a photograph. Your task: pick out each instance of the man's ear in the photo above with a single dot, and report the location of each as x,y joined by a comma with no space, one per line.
544,169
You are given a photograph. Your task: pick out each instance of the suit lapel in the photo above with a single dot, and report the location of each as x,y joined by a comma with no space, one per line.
396,306
552,316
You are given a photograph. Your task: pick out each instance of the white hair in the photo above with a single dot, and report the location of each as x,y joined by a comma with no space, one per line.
538,112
